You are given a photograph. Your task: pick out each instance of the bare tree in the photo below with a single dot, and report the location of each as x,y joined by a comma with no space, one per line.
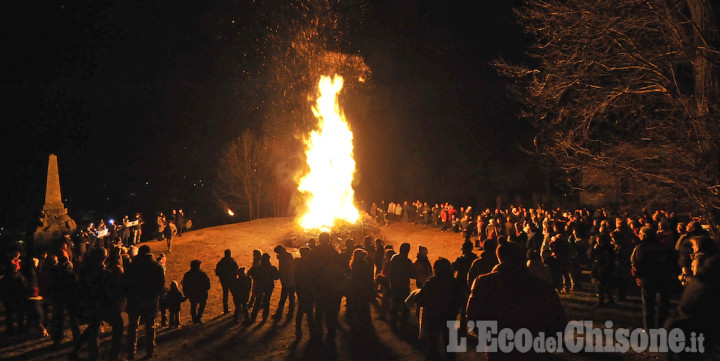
244,175
626,87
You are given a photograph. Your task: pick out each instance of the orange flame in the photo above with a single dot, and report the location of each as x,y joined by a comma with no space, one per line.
329,153
230,212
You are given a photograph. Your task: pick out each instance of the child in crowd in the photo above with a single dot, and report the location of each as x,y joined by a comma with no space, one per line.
240,290
174,299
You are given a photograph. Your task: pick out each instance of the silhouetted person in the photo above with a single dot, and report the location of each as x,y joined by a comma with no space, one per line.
287,281
256,256
379,255
99,295
240,290
180,222
196,285
360,292
401,271
328,272
483,264
516,300
12,293
61,295
174,299
441,299
697,309
226,270
462,265
263,276
143,280
603,268
305,288
654,266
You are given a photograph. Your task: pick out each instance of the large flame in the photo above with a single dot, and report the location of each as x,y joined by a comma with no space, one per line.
329,153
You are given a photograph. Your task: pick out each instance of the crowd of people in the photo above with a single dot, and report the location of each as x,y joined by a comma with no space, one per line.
528,256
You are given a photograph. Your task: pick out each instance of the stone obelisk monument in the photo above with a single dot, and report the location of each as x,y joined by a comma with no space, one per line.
55,221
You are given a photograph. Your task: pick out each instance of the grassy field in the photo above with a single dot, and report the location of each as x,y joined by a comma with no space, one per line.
219,339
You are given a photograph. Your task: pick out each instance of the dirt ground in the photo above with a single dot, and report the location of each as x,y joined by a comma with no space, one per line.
220,339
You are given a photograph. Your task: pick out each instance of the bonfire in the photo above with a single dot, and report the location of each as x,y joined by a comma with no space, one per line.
327,185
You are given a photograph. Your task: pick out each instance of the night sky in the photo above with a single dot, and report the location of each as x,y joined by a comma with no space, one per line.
138,99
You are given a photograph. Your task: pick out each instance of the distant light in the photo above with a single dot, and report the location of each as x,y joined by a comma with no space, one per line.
111,221
146,183
230,212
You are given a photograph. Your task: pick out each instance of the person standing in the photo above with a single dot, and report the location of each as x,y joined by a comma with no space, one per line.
196,285
226,270
516,300
603,268
180,222
160,226
174,300
287,281
240,290
61,294
125,231
360,292
305,287
263,276
99,296
329,273
654,266
169,233
441,299
12,293
143,281
401,271
137,228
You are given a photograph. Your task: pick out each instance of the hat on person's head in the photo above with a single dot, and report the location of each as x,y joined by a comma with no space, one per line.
422,250
195,264
266,256
144,249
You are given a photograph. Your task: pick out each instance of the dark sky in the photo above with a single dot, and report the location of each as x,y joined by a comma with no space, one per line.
137,100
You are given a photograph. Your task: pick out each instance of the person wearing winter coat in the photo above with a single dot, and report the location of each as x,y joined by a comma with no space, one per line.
143,282
264,276
61,295
240,290
226,270
654,266
537,268
174,299
196,285
516,300
99,293
360,292
441,299
423,269
603,268
305,286
287,281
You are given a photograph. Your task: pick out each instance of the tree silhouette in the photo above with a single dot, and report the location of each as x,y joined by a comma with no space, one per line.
627,88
